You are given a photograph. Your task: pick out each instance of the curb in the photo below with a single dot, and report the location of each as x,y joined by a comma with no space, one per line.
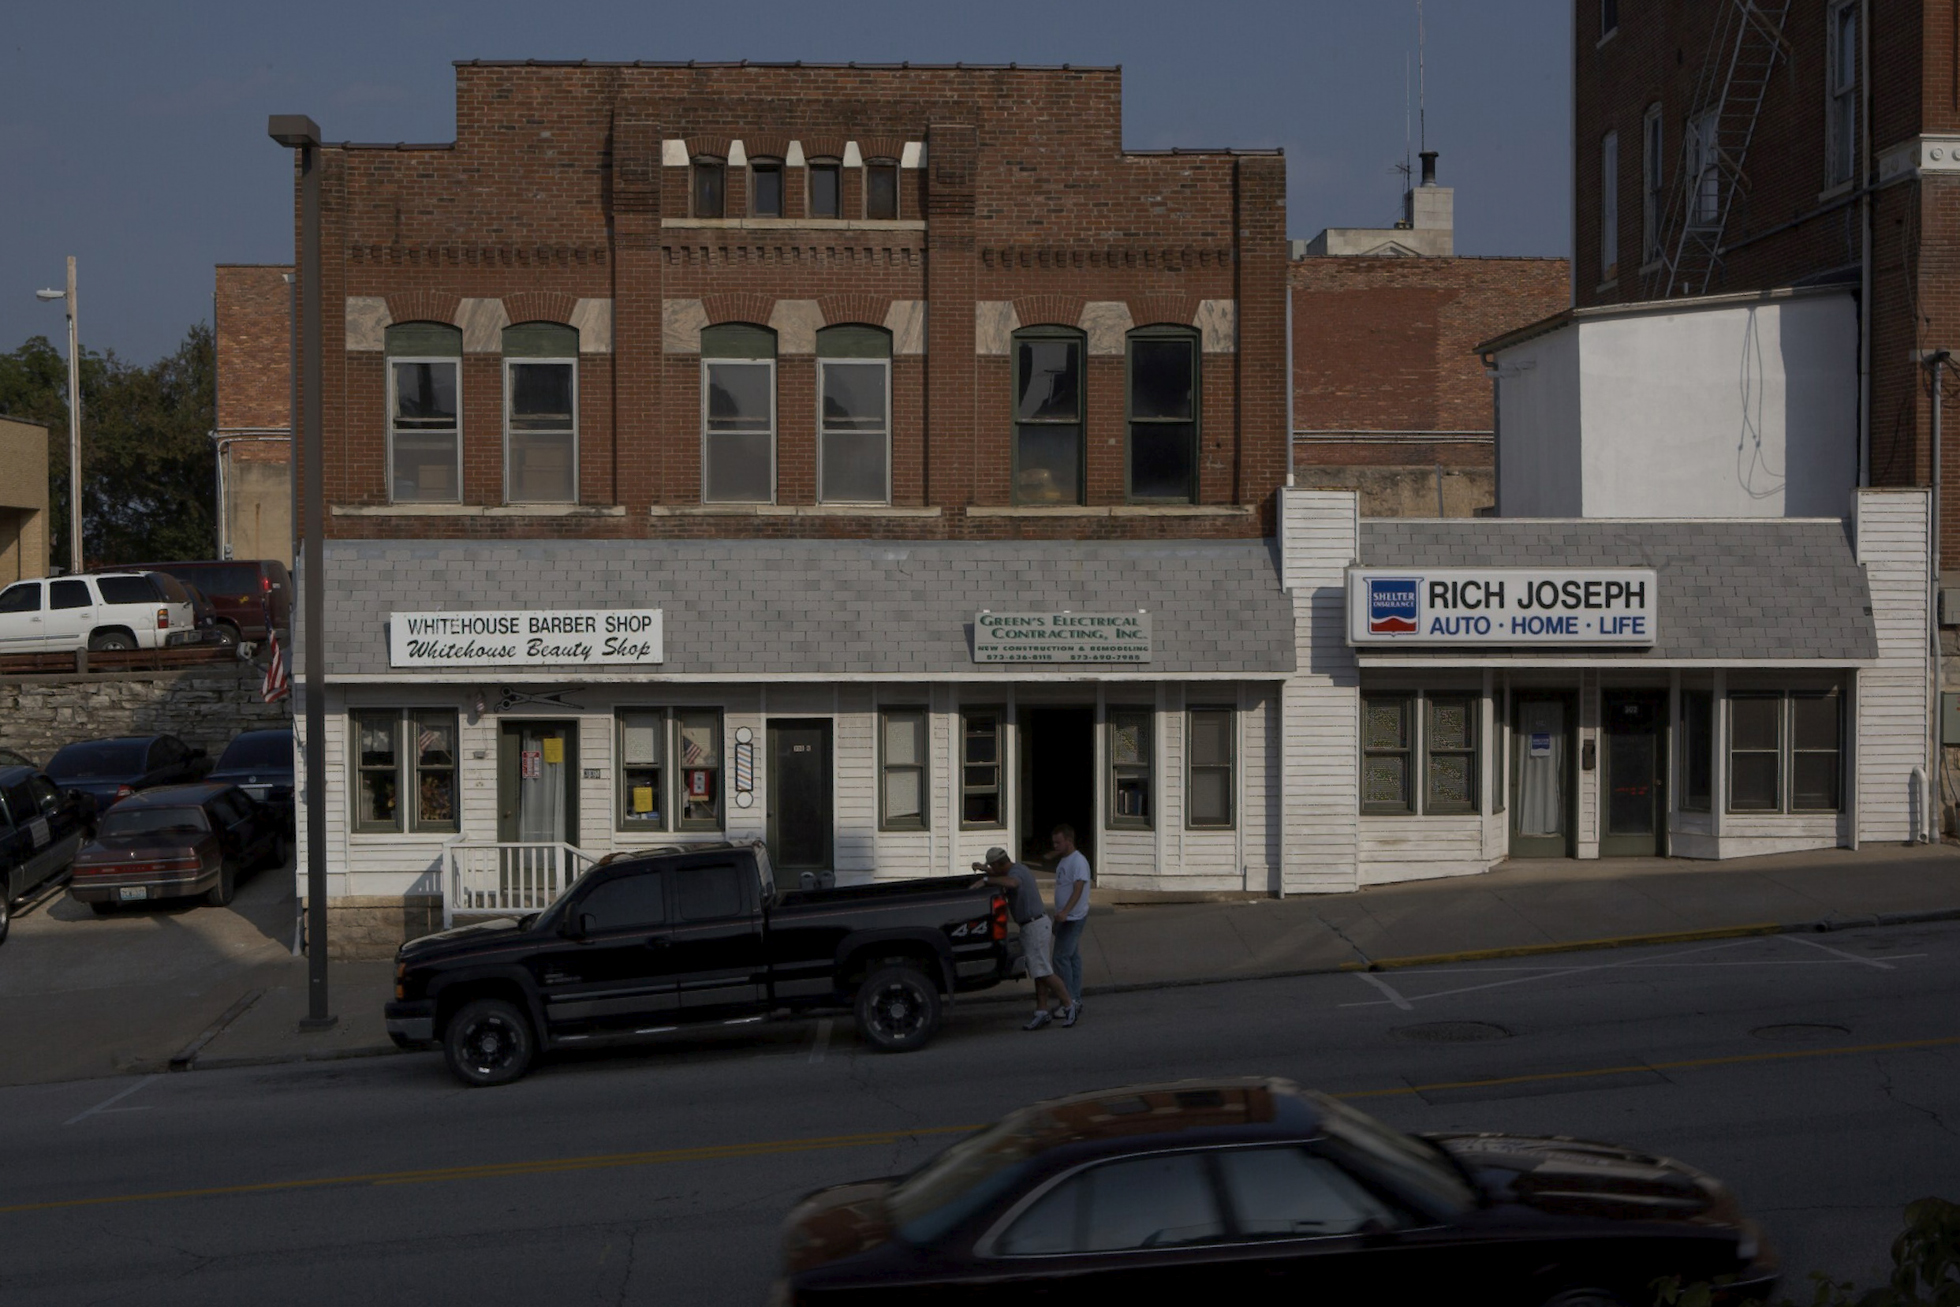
1822,926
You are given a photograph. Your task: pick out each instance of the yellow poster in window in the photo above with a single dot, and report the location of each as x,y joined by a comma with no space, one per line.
554,750
643,798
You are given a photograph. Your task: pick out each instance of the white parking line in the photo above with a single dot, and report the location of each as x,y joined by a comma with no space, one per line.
1554,975
1838,952
1385,988
108,1104
821,1044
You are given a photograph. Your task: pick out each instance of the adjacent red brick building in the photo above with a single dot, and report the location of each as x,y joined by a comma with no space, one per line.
1840,167
252,330
982,231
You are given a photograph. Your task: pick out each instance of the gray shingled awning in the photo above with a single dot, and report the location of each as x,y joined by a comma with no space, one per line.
742,609
1730,591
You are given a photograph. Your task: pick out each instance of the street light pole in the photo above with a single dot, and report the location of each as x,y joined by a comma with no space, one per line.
297,131
76,561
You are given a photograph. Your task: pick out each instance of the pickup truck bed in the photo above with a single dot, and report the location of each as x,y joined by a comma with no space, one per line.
645,944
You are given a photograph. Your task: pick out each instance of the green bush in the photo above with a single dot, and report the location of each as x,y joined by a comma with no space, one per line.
1925,1269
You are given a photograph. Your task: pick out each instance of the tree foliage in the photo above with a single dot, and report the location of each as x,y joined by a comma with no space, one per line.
148,464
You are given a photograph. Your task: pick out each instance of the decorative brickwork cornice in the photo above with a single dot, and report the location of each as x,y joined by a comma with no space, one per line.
823,147
1163,308
738,306
1049,310
766,145
715,147
881,148
854,306
540,306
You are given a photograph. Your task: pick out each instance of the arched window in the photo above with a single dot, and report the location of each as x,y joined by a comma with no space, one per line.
540,413
854,441
709,183
738,414
766,188
1048,416
425,433
1162,462
881,190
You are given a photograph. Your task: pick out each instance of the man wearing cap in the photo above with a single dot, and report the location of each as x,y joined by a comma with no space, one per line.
1037,931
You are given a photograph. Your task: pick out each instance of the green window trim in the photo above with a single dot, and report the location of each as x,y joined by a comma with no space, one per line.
642,760
1697,788
852,340
417,775
737,340
1131,743
1451,752
698,749
904,768
1045,425
1388,749
1135,425
540,340
1786,751
1422,753
423,340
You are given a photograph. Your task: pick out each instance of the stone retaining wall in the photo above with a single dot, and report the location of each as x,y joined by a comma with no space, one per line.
366,927
205,706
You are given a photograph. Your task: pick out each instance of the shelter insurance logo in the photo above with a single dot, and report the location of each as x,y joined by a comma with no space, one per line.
1392,605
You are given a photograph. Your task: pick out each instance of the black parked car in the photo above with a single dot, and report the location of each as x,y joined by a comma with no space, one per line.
41,827
646,943
176,842
261,764
108,770
9,758
1259,1191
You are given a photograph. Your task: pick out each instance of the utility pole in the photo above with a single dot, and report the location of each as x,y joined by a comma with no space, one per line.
297,131
77,561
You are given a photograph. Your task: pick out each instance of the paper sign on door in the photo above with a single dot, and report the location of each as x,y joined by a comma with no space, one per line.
530,765
1541,744
554,750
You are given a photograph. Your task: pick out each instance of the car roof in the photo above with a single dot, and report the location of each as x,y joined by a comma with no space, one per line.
115,739
1142,1115
13,775
174,796
253,735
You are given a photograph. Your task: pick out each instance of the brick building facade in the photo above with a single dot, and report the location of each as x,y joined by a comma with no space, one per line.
252,337
642,206
1389,396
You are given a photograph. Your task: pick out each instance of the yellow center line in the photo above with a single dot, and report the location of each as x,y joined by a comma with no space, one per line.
780,1147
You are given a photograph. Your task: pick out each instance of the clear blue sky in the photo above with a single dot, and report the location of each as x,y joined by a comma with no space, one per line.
132,135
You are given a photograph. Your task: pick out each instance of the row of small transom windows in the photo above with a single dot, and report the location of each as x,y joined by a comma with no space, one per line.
1049,450
822,181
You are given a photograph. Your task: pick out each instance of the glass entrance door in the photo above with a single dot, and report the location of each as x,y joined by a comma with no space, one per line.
1632,722
800,814
536,762
1541,773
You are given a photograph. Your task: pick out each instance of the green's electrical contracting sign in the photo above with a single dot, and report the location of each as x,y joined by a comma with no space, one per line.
1502,606
1061,637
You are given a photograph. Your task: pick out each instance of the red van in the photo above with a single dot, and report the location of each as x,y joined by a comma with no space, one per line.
239,589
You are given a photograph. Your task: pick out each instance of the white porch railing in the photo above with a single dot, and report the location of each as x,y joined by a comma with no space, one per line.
483,878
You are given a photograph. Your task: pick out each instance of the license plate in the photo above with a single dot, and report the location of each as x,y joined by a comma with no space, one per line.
130,892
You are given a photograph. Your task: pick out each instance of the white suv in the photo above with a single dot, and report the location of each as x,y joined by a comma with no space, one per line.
113,610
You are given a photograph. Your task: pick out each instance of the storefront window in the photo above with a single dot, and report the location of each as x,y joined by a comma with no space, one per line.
980,754
700,768
1755,752
1815,724
1387,738
642,749
1208,784
1697,750
902,768
1451,749
1130,756
383,771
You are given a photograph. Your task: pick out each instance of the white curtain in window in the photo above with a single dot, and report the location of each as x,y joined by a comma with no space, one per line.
1541,770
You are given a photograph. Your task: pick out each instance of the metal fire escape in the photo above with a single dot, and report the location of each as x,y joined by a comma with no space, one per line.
1747,45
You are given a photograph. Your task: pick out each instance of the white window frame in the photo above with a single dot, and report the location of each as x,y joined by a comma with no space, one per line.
1653,183
1609,206
1702,166
706,435
1841,164
823,443
509,363
391,360
923,715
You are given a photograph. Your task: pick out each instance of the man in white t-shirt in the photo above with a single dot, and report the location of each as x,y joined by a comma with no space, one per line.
1071,913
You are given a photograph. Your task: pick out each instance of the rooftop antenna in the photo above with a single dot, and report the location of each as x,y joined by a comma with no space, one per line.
1422,106
1408,165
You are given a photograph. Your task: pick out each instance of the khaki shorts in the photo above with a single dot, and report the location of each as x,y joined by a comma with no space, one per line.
1038,947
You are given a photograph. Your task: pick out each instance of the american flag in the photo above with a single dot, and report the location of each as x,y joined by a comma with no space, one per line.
278,683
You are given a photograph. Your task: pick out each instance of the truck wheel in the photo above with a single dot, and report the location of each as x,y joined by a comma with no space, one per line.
489,1043
898,1008
6,912
220,894
111,642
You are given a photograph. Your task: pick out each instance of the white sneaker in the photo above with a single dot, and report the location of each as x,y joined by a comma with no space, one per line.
1070,1014
1041,1018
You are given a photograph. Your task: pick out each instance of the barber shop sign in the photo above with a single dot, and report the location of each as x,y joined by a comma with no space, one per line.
1502,606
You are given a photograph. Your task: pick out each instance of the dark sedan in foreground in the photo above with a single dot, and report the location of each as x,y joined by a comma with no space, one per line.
1260,1191
108,770
261,764
176,842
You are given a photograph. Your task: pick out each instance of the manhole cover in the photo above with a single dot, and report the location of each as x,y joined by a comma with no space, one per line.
1799,1032
1452,1032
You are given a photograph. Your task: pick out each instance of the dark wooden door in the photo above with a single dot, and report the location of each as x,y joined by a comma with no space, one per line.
1633,724
800,810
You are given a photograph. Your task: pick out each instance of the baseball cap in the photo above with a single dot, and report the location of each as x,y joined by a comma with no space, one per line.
996,854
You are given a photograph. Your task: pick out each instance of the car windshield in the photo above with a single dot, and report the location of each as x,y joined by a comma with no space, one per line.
81,762
1403,1160
124,822
273,752
970,1174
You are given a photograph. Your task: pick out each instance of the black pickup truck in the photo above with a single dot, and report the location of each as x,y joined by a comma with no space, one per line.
648,942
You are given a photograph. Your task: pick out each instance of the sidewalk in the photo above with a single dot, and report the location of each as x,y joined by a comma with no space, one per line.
1522,907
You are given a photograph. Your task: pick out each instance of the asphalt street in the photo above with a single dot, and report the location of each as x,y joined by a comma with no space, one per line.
1818,1074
